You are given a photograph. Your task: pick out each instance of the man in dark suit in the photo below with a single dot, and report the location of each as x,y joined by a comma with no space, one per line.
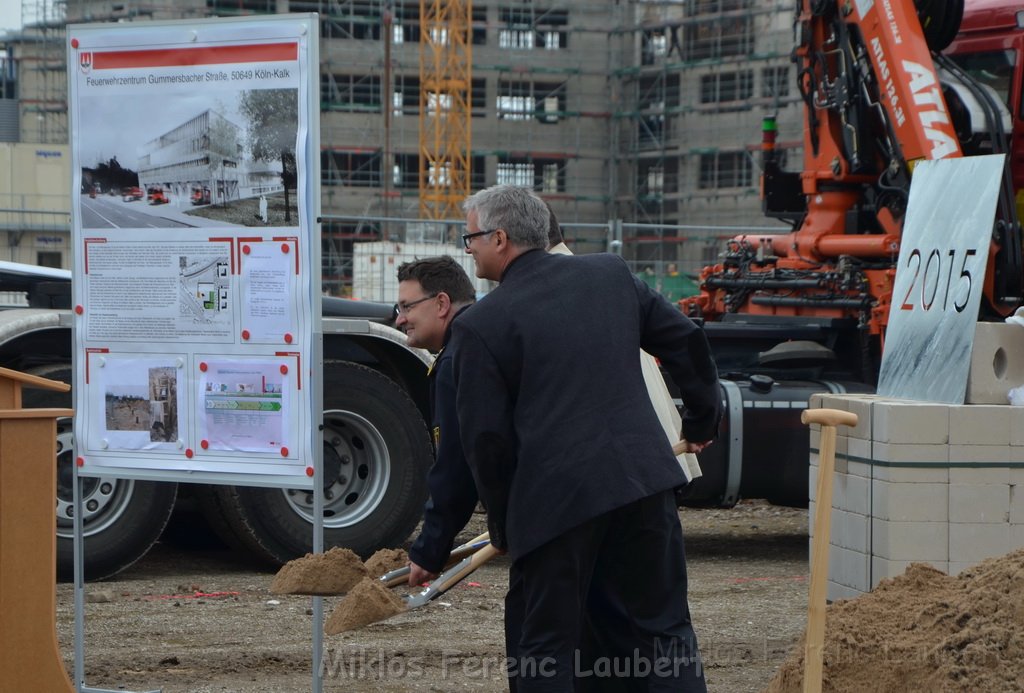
431,292
569,457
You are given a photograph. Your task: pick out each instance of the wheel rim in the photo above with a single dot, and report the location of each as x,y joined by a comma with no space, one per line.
357,469
104,499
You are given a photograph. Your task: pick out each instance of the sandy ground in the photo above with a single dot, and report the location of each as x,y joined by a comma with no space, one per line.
198,621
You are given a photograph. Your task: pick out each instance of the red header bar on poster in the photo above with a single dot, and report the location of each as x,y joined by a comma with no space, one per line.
205,55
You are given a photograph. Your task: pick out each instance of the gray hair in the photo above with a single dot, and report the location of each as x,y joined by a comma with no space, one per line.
519,211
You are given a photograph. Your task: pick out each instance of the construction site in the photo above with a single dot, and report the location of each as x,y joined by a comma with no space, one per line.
639,122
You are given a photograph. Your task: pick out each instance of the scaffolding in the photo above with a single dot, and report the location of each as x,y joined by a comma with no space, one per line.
643,111
42,72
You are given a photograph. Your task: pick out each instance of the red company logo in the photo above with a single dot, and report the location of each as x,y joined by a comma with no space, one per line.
85,61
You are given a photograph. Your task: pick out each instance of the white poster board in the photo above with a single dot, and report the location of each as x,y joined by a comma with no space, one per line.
196,271
935,300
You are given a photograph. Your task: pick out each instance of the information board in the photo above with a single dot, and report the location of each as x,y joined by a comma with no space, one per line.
196,272
939,279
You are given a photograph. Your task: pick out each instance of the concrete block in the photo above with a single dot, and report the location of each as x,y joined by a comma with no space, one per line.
979,424
842,444
835,592
861,469
849,568
997,362
910,422
957,567
812,484
858,450
830,401
1016,536
1017,506
814,443
1017,428
986,503
910,452
850,531
862,408
884,569
912,474
976,542
910,502
852,493
979,475
990,454
838,492
814,401
812,508
910,541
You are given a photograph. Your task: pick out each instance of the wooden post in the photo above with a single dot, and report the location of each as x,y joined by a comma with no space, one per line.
814,645
29,655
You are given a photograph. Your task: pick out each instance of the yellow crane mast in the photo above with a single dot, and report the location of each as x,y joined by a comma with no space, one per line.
446,67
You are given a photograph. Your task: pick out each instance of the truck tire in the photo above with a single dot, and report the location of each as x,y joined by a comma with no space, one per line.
123,518
376,456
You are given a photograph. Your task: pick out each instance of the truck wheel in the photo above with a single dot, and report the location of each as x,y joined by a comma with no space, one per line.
122,518
376,456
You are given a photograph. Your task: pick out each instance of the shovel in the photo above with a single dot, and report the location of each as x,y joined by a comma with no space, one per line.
814,644
398,576
348,614
371,601
452,576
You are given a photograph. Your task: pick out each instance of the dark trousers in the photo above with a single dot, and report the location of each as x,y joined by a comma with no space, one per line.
603,607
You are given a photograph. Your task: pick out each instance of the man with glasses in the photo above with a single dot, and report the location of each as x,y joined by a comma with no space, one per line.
569,456
431,293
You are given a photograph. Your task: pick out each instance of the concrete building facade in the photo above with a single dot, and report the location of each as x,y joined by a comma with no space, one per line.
644,112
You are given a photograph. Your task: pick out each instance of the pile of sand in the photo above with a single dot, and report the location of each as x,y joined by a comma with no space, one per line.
368,602
333,572
385,561
925,631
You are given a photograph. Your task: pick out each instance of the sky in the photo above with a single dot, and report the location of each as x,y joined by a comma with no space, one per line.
10,14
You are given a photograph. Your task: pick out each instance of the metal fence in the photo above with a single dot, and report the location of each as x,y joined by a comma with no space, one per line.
361,253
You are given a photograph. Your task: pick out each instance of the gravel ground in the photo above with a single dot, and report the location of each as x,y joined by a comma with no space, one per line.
202,621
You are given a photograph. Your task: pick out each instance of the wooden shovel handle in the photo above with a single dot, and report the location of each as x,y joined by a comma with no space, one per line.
828,417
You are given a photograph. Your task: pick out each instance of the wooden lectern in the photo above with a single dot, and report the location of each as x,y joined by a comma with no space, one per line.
29,656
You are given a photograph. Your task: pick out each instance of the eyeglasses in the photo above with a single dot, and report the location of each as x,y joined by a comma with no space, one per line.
467,237
404,308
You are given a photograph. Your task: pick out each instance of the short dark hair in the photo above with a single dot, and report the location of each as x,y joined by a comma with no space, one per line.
439,274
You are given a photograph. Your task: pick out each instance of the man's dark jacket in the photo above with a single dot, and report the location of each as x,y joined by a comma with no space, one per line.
555,418
452,491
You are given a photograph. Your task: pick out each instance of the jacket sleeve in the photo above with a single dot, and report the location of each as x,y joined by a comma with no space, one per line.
685,354
452,490
486,408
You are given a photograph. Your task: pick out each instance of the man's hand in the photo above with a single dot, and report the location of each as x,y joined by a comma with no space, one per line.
419,575
695,447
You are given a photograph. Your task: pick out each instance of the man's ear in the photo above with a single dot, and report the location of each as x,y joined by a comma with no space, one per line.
444,303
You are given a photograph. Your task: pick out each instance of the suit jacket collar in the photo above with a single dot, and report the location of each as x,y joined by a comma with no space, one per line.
521,261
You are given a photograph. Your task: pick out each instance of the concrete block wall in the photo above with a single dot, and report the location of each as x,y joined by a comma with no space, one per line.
919,482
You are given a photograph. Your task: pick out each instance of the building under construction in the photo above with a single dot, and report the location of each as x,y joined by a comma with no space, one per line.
638,121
